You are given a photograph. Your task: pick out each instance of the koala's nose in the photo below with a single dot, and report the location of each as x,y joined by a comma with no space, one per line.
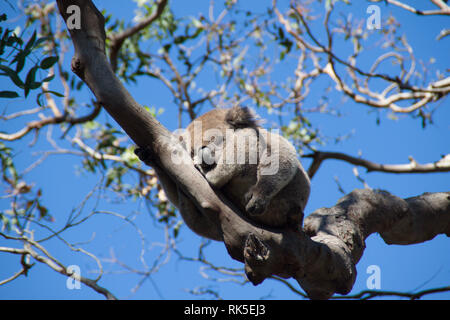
207,157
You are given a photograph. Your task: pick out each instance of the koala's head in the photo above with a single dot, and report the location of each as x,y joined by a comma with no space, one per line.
205,137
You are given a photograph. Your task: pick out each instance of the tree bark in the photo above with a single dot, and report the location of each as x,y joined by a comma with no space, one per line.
322,256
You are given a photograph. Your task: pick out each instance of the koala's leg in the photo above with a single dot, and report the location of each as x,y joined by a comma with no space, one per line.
267,186
193,217
195,220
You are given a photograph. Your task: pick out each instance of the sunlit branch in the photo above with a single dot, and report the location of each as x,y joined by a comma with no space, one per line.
442,165
444,8
38,124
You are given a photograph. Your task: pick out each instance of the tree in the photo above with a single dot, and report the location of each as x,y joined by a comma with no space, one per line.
235,49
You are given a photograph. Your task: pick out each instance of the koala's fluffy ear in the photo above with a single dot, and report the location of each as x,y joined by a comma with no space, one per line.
242,117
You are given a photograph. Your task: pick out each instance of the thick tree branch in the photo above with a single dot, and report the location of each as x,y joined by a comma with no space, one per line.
442,165
322,259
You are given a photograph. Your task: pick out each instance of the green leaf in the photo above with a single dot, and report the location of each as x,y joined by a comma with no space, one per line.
176,228
41,40
9,94
39,96
30,43
48,62
6,223
30,82
20,58
12,75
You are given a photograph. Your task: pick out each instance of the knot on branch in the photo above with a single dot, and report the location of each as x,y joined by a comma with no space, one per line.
77,67
256,253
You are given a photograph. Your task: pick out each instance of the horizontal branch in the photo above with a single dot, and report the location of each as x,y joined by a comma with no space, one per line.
369,294
38,124
442,165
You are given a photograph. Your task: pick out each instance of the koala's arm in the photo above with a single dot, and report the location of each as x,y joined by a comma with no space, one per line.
277,167
193,218
221,174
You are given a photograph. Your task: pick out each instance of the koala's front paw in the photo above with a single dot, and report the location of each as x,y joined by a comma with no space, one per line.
144,154
255,205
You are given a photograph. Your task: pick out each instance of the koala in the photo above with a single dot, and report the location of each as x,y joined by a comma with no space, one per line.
257,170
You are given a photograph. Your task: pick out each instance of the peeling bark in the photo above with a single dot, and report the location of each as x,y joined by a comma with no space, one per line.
322,256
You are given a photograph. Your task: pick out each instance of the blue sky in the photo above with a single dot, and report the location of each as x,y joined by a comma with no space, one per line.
403,268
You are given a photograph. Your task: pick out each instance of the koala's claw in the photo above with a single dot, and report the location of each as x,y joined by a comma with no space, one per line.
255,205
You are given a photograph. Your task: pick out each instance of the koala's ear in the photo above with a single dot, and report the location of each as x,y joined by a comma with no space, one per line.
242,117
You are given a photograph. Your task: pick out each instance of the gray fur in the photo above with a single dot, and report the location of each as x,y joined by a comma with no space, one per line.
270,186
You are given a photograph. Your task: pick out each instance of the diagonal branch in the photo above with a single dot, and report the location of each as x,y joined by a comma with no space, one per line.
50,261
445,9
442,165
